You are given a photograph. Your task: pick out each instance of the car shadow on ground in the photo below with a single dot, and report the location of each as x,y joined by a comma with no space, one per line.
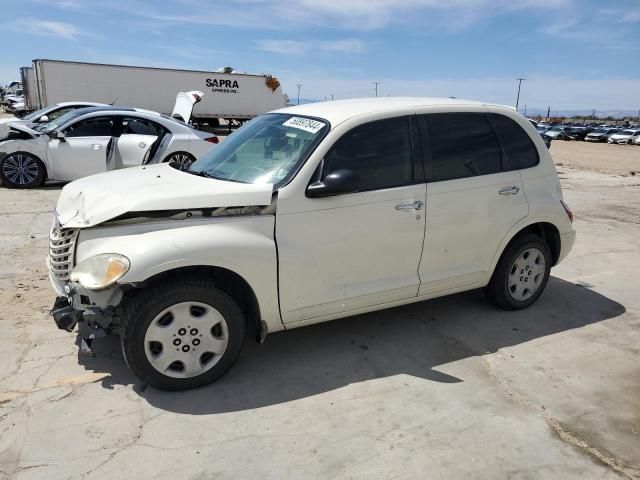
414,340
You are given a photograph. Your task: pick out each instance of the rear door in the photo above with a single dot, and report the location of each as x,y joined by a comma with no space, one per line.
83,151
474,197
135,138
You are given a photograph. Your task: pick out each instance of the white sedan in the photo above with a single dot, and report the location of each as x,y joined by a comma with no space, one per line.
94,140
44,115
625,136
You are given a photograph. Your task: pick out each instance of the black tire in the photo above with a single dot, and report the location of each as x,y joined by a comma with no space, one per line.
13,176
182,158
498,289
149,303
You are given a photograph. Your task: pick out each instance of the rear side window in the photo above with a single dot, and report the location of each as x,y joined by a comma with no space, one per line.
140,126
519,150
462,145
91,127
379,153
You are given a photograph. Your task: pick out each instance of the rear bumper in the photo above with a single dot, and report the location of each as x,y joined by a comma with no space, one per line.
566,244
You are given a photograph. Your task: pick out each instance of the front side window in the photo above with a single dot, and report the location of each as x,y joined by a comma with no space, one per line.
519,150
268,149
91,127
379,153
462,145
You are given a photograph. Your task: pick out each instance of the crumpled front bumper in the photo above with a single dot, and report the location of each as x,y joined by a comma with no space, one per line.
75,304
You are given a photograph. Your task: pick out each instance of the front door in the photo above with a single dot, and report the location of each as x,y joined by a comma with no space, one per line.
351,251
83,151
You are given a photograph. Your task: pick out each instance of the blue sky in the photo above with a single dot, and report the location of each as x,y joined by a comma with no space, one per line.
575,54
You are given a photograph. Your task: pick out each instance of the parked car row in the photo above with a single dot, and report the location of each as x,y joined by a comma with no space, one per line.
72,140
630,135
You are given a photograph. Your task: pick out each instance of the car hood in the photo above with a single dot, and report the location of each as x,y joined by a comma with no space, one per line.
8,119
618,136
99,198
17,125
552,134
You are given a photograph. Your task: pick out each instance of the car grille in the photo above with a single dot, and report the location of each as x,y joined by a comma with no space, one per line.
62,246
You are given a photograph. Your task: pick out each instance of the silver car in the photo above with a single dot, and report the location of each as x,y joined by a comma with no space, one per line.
94,140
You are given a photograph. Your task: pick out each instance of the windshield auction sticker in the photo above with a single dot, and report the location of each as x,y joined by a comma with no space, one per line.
306,124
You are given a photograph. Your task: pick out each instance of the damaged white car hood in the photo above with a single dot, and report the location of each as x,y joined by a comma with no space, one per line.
98,198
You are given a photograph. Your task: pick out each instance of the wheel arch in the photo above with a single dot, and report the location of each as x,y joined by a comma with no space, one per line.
228,281
545,229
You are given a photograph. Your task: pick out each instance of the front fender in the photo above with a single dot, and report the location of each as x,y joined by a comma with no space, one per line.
243,244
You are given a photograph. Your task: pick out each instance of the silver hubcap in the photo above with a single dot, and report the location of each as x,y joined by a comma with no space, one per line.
181,158
186,339
526,274
20,169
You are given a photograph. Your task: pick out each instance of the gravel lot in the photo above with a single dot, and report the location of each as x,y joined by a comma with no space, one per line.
445,389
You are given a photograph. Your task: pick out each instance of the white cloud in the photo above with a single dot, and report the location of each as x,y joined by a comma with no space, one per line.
47,28
295,47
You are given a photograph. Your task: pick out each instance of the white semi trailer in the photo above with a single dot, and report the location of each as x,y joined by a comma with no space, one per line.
234,97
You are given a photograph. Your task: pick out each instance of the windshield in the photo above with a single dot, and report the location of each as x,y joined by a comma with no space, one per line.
265,150
36,114
58,122
626,132
556,129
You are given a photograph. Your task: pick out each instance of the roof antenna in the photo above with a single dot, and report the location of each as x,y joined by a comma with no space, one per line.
114,101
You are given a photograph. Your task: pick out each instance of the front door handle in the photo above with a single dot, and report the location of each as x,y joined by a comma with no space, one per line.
96,146
509,190
417,205
142,144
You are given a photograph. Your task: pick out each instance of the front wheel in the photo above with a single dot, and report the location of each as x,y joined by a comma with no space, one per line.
521,274
182,335
21,170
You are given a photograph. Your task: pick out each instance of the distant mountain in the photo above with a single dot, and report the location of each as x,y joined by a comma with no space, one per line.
571,113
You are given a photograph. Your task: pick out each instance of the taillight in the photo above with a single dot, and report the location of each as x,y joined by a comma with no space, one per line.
568,210
213,139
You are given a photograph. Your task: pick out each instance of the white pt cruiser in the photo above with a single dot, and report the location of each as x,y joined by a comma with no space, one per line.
303,215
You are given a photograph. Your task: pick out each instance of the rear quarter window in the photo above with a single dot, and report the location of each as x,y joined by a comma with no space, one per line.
519,151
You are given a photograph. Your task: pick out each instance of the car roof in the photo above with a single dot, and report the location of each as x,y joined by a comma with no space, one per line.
337,111
88,104
106,108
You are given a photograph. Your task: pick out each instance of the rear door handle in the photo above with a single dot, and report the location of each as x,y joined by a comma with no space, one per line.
417,205
509,190
142,144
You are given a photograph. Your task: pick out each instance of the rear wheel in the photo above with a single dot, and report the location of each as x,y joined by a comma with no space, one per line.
21,170
521,274
182,335
182,158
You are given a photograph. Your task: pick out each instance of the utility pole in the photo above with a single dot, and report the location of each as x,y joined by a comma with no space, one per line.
548,112
299,86
519,85
376,84
639,115
525,109
332,96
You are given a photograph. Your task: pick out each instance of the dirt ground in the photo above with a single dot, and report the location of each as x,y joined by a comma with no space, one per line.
597,157
446,389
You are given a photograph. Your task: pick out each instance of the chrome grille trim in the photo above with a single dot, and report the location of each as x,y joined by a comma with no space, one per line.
62,247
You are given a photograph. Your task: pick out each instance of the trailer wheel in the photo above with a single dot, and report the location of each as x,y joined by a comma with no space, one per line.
183,158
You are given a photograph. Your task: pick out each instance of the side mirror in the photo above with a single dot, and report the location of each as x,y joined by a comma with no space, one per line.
43,119
56,135
336,183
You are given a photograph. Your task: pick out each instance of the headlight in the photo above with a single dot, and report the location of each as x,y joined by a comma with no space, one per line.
100,271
